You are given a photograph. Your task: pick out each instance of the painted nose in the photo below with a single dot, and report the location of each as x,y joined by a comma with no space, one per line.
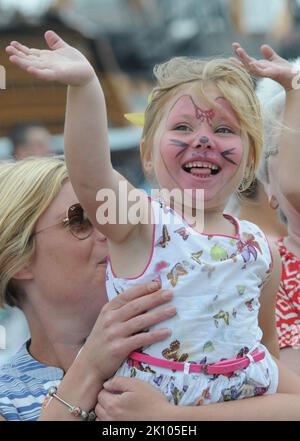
204,140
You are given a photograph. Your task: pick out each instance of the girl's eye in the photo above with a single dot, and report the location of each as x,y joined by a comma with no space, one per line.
183,128
224,130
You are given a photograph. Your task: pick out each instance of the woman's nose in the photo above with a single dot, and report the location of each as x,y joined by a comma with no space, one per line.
99,236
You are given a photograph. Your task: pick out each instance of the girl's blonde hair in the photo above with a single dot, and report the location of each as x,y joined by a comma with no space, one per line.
27,188
233,82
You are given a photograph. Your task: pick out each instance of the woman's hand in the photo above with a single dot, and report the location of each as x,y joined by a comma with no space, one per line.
120,327
62,63
130,399
271,66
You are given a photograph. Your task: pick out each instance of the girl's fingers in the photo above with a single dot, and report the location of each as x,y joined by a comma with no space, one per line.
242,54
100,412
28,59
26,62
20,47
235,45
268,52
42,74
26,50
54,41
236,62
11,50
19,61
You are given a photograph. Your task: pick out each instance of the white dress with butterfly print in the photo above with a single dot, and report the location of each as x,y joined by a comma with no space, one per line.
216,281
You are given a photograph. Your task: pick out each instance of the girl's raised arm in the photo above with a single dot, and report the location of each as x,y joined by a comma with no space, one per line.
86,132
282,71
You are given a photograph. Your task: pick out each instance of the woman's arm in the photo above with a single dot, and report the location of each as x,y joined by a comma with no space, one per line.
117,332
290,357
129,399
267,318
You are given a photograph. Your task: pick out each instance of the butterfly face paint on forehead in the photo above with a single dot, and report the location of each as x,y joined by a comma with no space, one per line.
186,108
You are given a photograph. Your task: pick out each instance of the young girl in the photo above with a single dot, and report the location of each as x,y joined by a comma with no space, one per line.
202,131
278,171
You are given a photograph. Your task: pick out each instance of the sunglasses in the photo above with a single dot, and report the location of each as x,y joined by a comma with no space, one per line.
76,221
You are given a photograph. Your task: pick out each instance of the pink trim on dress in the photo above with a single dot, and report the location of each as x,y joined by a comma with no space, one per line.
149,260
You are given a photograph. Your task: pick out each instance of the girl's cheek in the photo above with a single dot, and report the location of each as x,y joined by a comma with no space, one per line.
176,142
232,152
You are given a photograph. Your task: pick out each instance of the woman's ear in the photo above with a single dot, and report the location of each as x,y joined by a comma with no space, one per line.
24,274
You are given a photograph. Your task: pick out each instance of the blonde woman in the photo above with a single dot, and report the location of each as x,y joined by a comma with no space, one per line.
52,265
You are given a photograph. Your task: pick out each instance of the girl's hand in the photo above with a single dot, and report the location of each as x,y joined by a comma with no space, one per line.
62,63
272,66
130,399
120,327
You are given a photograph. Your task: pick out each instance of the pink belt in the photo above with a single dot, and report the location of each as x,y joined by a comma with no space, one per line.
222,367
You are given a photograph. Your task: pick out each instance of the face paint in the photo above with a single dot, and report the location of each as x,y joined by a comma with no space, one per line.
204,115
179,143
192,134
226,153
185,106
204,140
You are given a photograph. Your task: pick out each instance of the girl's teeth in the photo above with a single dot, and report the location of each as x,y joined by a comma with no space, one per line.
201,165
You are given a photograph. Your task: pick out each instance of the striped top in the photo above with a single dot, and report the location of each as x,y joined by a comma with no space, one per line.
24,383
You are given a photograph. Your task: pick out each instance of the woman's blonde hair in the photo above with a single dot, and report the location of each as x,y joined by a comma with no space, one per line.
233,82
27,188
